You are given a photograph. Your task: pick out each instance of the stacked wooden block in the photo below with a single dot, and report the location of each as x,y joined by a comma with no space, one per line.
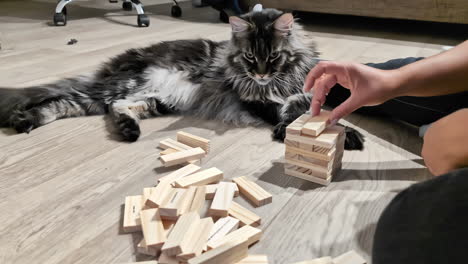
314,151
176,224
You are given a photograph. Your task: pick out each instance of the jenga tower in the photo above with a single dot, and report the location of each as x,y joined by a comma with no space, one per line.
314,152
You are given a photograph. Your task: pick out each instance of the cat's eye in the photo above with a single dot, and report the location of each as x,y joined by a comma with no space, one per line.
274,55
249,55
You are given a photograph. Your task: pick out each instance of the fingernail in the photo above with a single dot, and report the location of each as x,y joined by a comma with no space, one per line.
332,122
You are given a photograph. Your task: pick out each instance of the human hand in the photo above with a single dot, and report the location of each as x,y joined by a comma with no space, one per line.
368,86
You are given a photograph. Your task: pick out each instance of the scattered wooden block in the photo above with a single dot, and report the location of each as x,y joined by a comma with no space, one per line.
132,221
197,241
142,248
174,206
168,151
211,191
200,178
296,126
256,194
177,241
254,259
198,199
245,216
222,227
315,125
180,173
324,260
168,226
350,257
152,226
170,143
231,252
182,157
223,199
159,195
165,259
193,141
146,195
250,233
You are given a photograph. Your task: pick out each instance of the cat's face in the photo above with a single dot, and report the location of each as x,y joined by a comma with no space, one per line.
261,44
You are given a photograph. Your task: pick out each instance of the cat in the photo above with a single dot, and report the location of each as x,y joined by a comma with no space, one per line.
255,77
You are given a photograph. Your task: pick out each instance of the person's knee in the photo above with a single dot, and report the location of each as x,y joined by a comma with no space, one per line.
445,143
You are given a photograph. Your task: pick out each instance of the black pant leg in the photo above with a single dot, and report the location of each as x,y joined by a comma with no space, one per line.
414,110
425,224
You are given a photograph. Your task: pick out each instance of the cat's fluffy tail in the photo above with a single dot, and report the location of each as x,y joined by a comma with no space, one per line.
27,108
12,99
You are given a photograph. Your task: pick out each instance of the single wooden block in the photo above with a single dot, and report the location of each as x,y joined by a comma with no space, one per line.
250,233
178,239
168,151
146,195
170,143
350,257
165,259
173,207
211,191
315,164
320,156
306,174
315,125
223,199
296,126
231,252
245,216
327,139
132,221
168,226
204,177
193,141
324,260
160,195
254,259
198,199
144,262
152,226
222,227
180,173
198,239
142,248
256,194
182,157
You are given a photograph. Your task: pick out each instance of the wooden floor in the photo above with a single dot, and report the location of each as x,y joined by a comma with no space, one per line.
63,185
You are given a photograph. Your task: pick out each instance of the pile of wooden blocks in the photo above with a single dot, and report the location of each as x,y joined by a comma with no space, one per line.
314,151
170,214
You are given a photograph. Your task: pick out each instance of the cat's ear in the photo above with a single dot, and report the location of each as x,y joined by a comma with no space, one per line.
238,24
284,24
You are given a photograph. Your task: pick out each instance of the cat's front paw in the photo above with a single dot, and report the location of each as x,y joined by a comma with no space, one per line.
279,133
130,129
22,122
354,139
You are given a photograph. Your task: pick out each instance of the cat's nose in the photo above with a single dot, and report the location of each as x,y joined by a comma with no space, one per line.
261,75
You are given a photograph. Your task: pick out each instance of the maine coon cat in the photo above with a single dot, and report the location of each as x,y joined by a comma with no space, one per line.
256,76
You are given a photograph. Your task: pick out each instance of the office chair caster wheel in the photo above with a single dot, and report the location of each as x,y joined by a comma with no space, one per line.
176,11
223,16
127,6
60,19
143,21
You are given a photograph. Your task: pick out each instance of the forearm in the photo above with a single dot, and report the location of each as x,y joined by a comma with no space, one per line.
445,73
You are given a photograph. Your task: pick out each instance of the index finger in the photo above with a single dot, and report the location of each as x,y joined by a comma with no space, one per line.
328,67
